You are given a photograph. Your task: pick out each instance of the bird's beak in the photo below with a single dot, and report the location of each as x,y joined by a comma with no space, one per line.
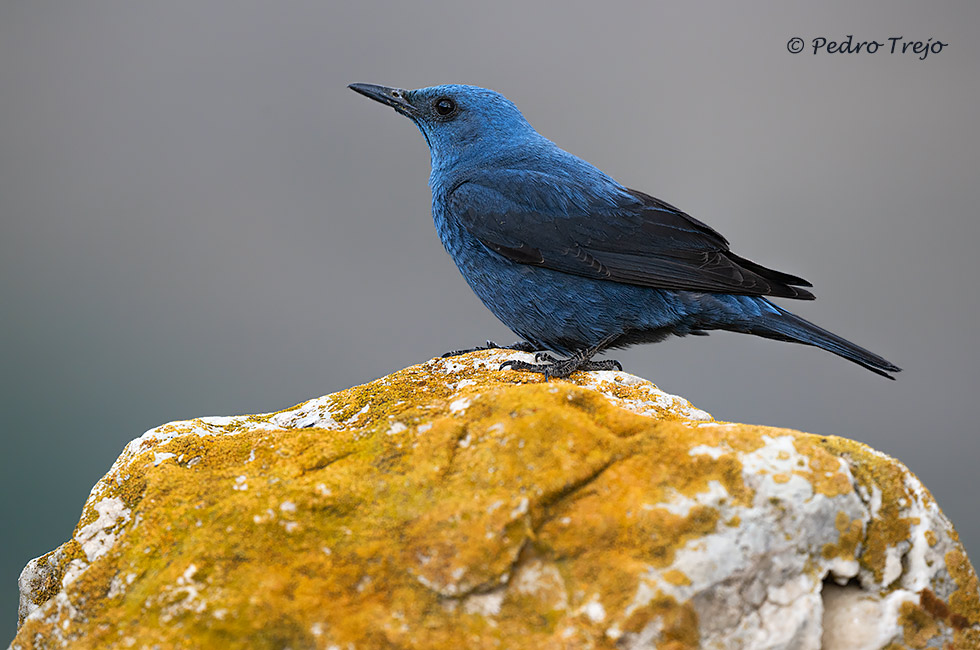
394,97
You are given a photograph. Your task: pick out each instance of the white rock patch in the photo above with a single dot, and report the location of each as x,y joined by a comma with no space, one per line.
97,538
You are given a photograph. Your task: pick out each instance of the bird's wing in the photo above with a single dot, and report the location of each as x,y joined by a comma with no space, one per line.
626,236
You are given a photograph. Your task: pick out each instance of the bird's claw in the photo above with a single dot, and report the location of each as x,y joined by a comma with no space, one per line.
455,353
520,346
561,368
515,364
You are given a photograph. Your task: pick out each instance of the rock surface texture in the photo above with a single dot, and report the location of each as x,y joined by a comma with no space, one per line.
452,505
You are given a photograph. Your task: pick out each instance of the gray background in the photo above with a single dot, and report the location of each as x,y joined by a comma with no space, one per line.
199,218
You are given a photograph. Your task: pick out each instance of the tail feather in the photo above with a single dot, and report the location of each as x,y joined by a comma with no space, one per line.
790,327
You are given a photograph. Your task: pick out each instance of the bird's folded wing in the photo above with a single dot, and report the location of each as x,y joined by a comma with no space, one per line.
618,235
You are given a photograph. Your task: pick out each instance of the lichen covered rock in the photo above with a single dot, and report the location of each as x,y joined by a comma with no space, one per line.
452,505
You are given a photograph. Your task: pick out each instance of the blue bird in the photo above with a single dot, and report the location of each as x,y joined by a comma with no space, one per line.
572,261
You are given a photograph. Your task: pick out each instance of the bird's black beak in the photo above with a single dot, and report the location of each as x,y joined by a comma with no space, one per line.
394,97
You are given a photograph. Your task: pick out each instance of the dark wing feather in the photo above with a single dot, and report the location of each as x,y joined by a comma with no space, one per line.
634,239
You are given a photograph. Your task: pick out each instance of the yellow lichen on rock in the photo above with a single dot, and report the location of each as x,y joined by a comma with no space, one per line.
851,534
875,472
450,504
823,468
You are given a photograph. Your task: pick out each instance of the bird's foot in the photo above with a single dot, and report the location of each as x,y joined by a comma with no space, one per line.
520,346
561,368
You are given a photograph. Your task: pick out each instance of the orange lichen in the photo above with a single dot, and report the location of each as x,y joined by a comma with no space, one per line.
924,621
873,471
678,623
918,625
964,602
676,577
851,533
826,471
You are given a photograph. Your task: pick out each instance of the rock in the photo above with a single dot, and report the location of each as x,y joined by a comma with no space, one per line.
452,505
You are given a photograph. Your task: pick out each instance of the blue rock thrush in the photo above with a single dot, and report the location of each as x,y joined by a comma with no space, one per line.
574,262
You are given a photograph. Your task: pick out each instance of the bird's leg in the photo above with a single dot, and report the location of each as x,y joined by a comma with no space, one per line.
520,346
561,368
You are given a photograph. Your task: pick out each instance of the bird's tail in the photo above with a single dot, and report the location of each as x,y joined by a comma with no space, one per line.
789,327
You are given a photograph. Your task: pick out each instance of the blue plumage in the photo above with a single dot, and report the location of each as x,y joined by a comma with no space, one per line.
574,262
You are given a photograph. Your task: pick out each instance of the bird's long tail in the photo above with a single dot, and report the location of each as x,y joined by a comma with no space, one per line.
786,326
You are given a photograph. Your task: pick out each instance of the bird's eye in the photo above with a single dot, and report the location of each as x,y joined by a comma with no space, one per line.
444,106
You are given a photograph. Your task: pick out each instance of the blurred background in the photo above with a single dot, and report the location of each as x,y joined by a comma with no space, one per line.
198,218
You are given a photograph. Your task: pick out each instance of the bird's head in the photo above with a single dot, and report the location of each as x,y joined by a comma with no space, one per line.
459,122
